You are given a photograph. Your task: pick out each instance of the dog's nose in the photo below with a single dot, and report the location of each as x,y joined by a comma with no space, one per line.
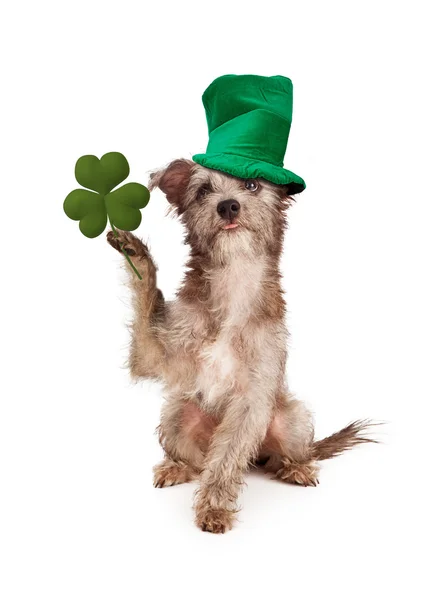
228,209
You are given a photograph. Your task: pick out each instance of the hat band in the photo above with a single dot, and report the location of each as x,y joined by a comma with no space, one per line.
258,135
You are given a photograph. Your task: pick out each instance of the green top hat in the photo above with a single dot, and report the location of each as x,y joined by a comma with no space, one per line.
249,120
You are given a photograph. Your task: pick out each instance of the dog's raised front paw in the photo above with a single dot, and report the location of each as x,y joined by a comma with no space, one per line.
128,242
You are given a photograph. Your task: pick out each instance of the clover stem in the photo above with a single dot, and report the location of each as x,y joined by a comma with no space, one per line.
125,253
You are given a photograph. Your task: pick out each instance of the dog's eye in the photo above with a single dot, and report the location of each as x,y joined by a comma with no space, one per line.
203,191
251,185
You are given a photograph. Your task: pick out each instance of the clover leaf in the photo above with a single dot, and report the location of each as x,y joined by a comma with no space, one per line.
94,208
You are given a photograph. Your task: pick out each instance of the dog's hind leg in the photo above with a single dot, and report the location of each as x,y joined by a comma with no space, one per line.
147,356
287,449
184,434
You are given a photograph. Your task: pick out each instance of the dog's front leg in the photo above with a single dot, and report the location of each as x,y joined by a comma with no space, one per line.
234,444
147,355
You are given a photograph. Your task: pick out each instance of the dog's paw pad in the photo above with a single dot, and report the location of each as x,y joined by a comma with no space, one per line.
124,240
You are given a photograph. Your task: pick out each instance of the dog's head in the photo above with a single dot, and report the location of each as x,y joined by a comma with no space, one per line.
224,215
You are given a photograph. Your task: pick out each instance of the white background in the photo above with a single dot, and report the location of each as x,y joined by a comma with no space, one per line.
79,515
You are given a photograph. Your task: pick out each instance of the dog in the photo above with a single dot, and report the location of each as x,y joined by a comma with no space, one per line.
219,347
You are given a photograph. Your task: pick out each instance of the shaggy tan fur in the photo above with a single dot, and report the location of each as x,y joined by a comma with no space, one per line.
220,347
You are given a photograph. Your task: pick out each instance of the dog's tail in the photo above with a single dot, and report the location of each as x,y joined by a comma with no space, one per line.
353,434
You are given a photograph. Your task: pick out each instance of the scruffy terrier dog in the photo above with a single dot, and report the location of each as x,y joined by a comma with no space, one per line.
220,346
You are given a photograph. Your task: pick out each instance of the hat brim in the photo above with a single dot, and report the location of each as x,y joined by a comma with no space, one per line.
247,168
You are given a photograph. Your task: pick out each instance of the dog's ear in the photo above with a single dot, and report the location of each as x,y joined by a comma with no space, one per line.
173,180
291,189
285,194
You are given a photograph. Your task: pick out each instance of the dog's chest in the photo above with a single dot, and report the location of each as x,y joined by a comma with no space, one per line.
217,369
222,365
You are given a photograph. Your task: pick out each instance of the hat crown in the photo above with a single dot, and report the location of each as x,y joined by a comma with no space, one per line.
230,96
249,119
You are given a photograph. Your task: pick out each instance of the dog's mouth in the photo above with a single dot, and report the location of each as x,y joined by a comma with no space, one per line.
231,226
